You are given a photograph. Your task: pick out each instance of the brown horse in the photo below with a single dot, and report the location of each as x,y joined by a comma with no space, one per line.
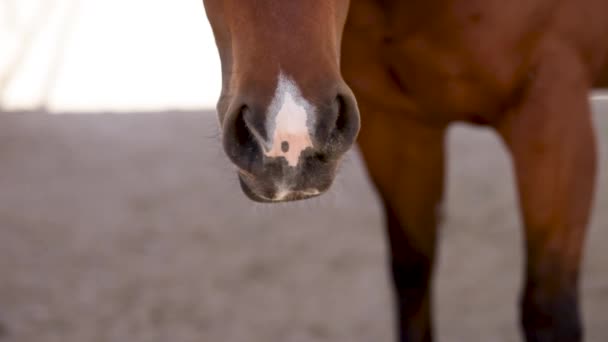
522,67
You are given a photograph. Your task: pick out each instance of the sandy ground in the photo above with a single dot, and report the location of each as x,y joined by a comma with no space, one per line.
132,228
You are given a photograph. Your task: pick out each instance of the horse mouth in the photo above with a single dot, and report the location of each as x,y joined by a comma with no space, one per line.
274,195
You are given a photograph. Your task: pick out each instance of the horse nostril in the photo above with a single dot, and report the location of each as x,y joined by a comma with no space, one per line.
242,134
341,119
240,141
346,126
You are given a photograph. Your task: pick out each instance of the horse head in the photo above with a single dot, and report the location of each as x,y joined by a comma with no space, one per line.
287,117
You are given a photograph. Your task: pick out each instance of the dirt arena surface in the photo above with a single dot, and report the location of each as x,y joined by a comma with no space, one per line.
132,228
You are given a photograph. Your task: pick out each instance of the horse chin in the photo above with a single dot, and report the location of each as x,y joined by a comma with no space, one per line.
261,192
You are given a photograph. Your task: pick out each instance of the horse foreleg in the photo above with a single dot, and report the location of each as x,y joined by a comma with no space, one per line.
406,162
551,140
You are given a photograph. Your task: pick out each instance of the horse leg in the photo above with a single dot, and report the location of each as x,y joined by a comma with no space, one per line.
551,139
405,161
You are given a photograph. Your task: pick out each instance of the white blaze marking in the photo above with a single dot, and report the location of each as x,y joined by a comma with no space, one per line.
290,117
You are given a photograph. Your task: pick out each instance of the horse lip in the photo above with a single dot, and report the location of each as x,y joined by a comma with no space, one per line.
247,189
291,196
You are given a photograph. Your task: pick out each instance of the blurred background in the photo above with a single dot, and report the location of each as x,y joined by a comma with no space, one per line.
86,55
132,227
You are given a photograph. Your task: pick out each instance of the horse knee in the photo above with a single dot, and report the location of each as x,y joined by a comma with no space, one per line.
411,264
550,316
411,276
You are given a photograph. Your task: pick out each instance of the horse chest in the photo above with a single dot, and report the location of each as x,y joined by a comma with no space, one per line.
440,81
453,66
433,81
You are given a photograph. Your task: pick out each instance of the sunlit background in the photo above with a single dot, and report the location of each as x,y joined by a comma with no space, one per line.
111,55
133,227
